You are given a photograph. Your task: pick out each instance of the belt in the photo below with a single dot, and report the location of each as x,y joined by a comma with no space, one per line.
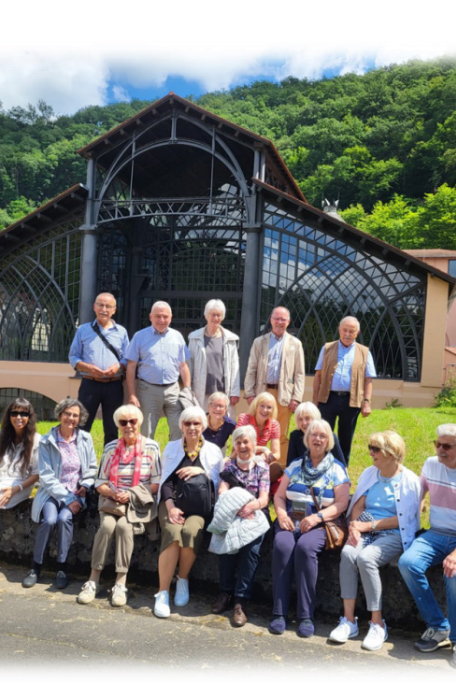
272,386
155,384
340,394
116,379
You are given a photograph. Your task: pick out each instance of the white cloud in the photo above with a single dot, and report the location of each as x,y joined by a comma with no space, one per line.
71,58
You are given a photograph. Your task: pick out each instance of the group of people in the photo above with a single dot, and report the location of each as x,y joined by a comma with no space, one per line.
193,486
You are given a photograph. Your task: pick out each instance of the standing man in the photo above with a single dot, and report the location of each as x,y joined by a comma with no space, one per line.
157,356
276,365
342,386
98,353
436,546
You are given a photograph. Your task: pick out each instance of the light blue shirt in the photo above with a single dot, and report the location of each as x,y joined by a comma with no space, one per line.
274,359
88,347
341,381
158,355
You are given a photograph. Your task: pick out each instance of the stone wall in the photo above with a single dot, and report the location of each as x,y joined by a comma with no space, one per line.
17,534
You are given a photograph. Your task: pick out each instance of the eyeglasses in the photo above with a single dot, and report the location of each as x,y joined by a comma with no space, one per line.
374,449
320,435
279,320
438,445
22,414
189,423
104,306
71,415
130,421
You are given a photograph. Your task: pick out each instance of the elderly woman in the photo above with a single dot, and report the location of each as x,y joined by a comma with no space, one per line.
253,475
386,493
305,413
130,467
262,417
18,453
68,465
219,426
300,534
190,479
214,363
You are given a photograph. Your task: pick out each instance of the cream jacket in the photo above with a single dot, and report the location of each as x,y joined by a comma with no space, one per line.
198,366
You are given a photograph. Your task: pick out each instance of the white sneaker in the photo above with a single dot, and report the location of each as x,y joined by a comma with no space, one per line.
182,596
88,592
161,607
375,638
119,595
344,631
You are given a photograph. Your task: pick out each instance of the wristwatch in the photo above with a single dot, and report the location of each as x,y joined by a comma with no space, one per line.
320,515
368,401
373,524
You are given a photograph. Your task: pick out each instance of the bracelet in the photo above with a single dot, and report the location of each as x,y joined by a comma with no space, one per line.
21,488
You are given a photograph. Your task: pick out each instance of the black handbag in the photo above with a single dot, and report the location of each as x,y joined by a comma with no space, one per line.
196,496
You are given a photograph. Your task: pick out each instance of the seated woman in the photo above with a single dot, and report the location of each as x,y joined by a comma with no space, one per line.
253,474
219,426
181,532
68,466
18,453
387,491
305,413
262,416
300,534
129,466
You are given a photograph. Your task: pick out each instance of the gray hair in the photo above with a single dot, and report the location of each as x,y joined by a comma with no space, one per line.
307,408
128,410
67,403
193,413
215,305
218,395
446,429
350,318
245,431
160,304
284,308
324,426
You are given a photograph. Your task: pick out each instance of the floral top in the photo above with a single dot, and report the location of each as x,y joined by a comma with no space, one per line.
256,479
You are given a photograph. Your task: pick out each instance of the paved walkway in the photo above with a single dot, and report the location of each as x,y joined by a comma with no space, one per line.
42,627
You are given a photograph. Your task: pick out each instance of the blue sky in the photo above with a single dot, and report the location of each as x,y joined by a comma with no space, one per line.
93,54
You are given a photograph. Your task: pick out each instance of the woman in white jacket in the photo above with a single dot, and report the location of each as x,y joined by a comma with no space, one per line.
385,515
214,363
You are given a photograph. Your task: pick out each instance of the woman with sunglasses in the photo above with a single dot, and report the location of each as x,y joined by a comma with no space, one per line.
384,517
67,464
182,530
19,442
127,463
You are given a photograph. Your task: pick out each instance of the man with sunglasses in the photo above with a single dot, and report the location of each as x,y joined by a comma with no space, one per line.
98,353
436,546
342,386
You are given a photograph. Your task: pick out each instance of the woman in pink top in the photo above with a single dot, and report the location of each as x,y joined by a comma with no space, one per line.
262,416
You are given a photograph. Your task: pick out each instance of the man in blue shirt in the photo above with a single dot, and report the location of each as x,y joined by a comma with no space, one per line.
156,357
98,353
342,385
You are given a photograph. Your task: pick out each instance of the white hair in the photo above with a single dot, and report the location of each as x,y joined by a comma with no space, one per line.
193,413
215,305
350,318
156,305
245,431
446,429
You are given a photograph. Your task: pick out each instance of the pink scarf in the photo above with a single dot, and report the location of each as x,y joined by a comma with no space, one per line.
120,455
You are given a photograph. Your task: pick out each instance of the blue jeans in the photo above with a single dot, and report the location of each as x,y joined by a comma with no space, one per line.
241,583
54,514
430,549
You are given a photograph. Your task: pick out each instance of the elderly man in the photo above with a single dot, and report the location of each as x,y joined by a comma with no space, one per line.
342,385
98,353
276,365
436,546
157,356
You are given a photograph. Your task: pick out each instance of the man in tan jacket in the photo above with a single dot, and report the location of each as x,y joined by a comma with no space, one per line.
342,385
276,365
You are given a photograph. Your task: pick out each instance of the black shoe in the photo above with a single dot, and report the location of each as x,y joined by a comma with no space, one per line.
30,579
222,603
61,580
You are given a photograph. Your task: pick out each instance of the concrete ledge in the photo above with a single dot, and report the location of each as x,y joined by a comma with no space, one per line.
17,537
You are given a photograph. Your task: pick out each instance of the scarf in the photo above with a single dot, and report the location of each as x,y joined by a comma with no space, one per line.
120,455
309,475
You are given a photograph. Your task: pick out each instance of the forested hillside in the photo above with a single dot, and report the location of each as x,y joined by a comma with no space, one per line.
383,143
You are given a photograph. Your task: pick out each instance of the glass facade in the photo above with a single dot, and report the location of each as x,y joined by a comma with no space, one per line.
322,278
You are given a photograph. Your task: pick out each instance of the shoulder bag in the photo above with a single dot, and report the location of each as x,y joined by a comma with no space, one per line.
336,530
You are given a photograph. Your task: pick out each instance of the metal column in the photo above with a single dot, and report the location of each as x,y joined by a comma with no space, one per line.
88,286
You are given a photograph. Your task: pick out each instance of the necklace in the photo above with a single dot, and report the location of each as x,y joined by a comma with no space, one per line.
193,455
214,431
217,333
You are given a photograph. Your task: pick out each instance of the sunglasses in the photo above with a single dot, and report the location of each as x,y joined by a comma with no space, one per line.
445,447
130,421
22,414
374,449
189,423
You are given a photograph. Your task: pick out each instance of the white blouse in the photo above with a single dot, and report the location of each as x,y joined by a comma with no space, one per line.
11,474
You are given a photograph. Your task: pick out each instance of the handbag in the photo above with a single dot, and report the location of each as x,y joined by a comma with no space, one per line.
107,505
195,496
336,530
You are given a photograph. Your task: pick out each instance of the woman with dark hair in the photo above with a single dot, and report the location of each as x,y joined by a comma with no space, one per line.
18,453
68,465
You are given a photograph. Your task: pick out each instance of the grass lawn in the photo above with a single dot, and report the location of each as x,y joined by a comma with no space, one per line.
416,426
